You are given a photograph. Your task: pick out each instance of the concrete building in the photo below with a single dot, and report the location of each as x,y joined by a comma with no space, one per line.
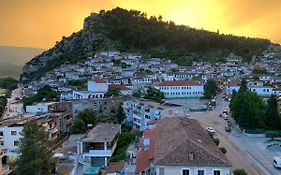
141,112
10,130
262,90
180,146
97,105
181,88
96,149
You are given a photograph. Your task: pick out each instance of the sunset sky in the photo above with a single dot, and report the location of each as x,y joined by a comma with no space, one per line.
40,23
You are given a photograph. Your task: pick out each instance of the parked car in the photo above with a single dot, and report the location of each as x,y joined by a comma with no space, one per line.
277,162
225,111
225,117
210,130
227,128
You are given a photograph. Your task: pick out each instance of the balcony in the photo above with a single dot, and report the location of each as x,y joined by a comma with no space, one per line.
98,153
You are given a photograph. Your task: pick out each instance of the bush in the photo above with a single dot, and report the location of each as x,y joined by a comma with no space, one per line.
273,134
223,150
217,141
239,172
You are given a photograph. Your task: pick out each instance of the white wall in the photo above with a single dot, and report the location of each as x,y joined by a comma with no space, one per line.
177,170
262,90
182,91
8,138
97,87
37,108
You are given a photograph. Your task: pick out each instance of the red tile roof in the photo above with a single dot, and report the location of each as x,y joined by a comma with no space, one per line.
115,167
144,158
99,80
234,83
182,137
179,83
117,87
150,133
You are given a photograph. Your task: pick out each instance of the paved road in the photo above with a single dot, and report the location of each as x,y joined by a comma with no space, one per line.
13,109
243,151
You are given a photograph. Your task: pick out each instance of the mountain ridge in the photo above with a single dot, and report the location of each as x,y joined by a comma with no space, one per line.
133,31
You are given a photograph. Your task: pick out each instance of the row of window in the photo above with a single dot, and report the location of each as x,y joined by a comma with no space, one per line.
16,143
187,172
175,87
13,133
182,93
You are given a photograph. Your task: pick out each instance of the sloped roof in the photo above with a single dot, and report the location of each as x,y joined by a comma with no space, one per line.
183,142
179,83
115,167
118,87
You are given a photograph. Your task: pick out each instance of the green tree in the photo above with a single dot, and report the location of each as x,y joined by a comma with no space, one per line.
35,155
154,94
272,115
248,109
210,88
82,120
114,92
243,86
239,172
120,115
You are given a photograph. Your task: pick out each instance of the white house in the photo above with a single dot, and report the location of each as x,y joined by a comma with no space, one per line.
99,144
262,90
39,108
10,130
181,88
233,86
97,86
180,146
141,112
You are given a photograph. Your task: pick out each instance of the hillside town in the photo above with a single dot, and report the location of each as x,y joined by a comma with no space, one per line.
149,115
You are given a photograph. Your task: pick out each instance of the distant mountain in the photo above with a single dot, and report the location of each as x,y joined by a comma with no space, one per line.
12,59
132,31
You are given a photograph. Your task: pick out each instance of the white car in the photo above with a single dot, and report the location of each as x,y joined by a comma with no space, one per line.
277,161
210,130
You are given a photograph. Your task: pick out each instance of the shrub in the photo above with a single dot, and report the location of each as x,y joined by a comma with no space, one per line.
239,172
223,150
217,141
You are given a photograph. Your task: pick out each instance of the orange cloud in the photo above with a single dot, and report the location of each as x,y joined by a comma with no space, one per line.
41,23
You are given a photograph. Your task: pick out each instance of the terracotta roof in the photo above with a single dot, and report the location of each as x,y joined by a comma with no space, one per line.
234,83
179,83
183,142
118,87
150,133
144,158
99,80
115,167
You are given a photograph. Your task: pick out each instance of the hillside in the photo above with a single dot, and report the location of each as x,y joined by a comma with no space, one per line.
132,31
12,59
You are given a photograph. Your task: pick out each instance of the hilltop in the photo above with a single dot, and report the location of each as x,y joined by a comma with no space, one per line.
133,31
12,59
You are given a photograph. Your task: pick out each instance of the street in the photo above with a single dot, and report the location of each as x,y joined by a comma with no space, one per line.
243,151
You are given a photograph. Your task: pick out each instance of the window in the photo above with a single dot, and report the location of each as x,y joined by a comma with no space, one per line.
1,133
161,171
200,172
13,133
217,172
185,172
2,142
16,143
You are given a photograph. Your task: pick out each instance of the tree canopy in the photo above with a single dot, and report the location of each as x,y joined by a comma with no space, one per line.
272,114
46,92
210,88
154,94
35,156
132,31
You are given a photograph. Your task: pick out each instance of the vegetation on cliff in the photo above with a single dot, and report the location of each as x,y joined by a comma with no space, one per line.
133,31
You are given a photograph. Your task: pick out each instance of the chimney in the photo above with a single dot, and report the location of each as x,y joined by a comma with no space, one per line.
190,156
